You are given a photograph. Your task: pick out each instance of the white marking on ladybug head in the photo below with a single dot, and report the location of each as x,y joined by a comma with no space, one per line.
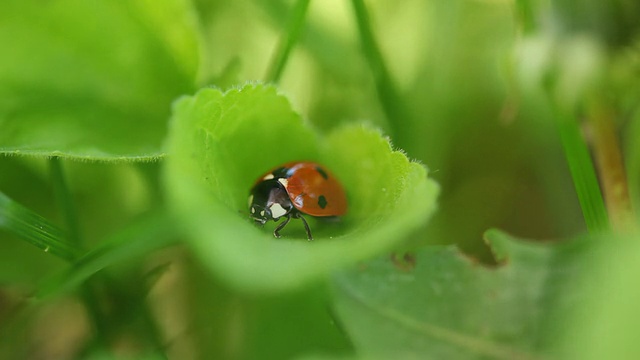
268,177
284,182
277,210
262,213
253,210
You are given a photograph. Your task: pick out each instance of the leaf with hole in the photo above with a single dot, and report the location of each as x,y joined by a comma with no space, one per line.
450,307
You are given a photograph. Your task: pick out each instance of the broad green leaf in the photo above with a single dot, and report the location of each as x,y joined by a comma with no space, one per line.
93,80
450,307
221,142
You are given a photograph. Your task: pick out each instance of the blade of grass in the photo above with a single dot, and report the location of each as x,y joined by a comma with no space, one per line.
150,233
35,229
388,94
131,242
288,40
141,237
334,53
582,171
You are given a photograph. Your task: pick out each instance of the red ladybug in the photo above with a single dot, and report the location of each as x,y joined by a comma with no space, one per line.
294,189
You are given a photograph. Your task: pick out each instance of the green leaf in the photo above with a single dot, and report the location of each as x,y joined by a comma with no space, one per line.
450,307
93,80
221,142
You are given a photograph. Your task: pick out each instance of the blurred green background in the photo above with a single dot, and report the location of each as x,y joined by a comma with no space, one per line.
474,94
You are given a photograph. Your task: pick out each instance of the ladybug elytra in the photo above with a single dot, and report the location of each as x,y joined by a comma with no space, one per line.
293,190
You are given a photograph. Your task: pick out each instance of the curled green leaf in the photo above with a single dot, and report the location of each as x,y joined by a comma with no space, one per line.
220,143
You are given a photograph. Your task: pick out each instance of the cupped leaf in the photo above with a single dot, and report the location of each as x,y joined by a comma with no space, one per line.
450,307
220,143
93,80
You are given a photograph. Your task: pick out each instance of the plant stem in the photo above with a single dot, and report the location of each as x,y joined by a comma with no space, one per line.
606,149
387,92
288,40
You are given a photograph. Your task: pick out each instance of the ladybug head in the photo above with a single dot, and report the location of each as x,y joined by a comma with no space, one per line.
268,201
260,214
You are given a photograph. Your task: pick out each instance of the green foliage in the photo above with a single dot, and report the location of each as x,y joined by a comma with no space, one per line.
136,240
222,142
610,302
92,80
449,306
583,172
110,249
613,22
35,229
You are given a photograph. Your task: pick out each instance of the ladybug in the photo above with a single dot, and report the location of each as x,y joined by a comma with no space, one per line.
294,189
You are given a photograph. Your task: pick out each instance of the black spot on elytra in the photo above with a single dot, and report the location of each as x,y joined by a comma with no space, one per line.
322,201
322,173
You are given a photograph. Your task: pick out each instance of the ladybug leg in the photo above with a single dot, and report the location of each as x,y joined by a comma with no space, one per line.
306,226
280,226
